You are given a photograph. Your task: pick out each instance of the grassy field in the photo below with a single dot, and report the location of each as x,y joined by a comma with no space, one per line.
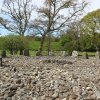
89,53
55,47
56,53
34,45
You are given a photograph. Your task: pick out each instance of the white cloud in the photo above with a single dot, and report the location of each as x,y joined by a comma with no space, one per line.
1,1
94,4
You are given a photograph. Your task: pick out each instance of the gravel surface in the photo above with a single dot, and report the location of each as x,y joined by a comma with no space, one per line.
49,78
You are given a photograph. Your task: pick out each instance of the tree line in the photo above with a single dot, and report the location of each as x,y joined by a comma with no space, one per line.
53,16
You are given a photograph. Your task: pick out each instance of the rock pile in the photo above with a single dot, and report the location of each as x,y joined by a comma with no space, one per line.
29,78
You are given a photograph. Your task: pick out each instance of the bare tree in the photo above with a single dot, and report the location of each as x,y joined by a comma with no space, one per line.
16,15
55,15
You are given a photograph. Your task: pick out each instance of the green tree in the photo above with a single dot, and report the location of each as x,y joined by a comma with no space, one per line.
69,42
91,25
52,20
15,43
85,42
70,39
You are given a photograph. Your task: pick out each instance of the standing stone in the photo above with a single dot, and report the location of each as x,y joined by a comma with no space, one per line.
74,54
51,53
63,53
38,53
26,52
21,51
97,55
86,55
3,53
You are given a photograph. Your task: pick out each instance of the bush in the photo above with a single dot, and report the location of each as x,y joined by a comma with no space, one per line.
69,43
15,43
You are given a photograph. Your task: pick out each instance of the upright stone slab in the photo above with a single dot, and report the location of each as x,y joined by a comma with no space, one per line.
75,54
51,53
26,52
63,53
3,53
97,55
86,55
38,53
1,61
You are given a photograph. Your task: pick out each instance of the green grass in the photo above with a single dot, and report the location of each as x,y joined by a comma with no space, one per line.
34,45
55,46
89,53
32,53
56,53
7,52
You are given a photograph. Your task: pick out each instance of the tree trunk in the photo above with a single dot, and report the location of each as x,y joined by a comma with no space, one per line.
49,44
41,44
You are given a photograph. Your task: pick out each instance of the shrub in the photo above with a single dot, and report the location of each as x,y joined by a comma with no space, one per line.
15,43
